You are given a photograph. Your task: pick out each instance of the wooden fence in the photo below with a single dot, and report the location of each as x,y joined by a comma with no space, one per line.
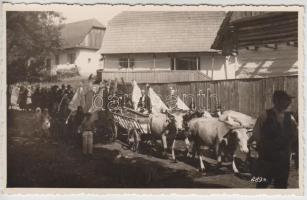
249,96
154,76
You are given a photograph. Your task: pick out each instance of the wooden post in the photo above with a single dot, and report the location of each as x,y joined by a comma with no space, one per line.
197,63
128,62
154,61
212,64
225,66
174,63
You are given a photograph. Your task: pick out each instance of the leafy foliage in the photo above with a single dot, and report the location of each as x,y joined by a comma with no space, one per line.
31,38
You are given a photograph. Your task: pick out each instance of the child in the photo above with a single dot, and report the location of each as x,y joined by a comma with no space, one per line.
45,123
87,134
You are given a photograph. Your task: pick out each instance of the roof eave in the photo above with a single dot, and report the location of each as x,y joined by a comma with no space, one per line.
163,52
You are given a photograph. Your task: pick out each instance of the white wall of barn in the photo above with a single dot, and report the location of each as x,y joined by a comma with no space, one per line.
208,63
266,62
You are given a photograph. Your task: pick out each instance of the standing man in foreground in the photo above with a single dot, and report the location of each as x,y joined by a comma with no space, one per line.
274,133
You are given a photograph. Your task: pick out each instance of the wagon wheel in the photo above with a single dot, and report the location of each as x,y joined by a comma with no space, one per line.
133,139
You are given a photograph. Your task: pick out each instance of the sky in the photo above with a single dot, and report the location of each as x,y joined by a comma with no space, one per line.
104,13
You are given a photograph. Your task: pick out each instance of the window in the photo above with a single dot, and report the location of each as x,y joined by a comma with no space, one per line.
185,63
126,63
57,59
71,58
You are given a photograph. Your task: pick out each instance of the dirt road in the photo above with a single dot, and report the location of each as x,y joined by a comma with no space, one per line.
36,162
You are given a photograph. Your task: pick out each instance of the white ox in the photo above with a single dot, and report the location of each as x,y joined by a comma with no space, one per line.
167,126
229,129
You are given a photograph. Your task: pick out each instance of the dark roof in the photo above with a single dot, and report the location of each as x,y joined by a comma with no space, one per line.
162,31
72,34
257,28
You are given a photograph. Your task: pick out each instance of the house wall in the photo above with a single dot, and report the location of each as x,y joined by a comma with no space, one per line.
265,62
85,66
208,62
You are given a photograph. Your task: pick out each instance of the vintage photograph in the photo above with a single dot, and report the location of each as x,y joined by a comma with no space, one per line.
154,97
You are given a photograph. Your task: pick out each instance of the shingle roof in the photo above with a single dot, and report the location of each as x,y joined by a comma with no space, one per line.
161,31
72,34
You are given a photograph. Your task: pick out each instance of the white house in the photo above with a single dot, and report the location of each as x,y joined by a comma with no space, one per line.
81,42
164,46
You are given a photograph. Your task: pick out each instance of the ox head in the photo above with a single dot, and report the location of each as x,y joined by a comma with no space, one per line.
237,137
177,119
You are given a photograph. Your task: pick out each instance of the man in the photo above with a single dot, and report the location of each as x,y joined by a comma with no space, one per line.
274,133
144,105
171,99
87,128
69,92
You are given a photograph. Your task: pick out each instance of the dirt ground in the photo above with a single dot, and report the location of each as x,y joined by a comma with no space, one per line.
39,162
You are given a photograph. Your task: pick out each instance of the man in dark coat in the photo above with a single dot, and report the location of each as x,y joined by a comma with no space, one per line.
274,133
144,104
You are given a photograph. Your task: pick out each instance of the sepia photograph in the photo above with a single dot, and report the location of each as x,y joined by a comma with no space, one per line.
149,97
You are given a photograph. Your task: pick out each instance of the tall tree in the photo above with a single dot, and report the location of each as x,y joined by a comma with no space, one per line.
31,36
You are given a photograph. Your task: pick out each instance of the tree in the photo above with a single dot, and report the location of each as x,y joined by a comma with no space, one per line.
31,38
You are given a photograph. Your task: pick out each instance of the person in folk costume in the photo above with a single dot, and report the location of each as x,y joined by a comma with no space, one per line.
69,92
144,104
62,114
60,93
171,100
274,133
15,96
45,123
36,97
29,98
74,124
37,118
8,97
106,93
87,128
23,97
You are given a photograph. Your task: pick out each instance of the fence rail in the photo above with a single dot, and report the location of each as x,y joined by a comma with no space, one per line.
155,76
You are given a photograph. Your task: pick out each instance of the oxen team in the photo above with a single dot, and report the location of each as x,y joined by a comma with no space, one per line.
224,133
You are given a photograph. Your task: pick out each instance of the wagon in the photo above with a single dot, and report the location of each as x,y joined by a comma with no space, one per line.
133,125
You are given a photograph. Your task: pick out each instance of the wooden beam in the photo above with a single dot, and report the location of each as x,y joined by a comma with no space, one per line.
268,30
263,42
271,46
267,36
264,25
262,19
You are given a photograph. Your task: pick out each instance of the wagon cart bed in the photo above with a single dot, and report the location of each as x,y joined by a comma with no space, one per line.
132,123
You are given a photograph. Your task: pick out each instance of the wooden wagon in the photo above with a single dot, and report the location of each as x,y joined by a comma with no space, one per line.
132,124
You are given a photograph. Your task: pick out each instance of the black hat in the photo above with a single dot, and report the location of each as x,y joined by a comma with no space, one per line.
280,94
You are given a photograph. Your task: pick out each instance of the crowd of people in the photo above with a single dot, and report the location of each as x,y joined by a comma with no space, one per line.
53,117
48,104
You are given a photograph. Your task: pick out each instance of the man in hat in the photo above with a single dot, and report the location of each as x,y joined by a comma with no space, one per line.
274,133
144,105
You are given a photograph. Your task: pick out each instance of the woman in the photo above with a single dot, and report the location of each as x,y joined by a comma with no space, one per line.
29,98
45,123
37,120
